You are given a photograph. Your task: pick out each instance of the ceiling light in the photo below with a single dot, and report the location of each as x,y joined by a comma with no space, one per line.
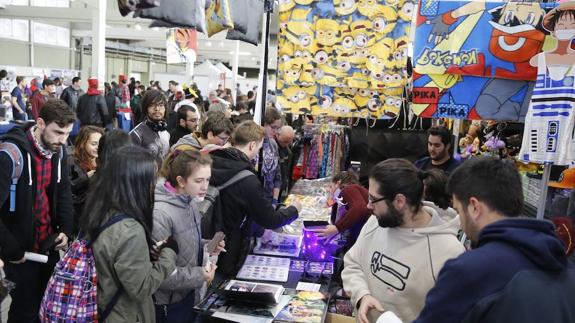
221,44
208,44
155,28
137,27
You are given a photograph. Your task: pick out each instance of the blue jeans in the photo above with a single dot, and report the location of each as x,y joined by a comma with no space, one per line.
180,312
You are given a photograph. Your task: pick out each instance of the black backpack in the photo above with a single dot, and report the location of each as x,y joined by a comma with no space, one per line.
211,209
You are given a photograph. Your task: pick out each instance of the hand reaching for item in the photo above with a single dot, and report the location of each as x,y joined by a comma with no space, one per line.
368,303
297,205
327,232
210,272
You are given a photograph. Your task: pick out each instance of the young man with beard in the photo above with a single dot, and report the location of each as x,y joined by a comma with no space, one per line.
402,247
517,271
438,146
152,133
187,123
41,218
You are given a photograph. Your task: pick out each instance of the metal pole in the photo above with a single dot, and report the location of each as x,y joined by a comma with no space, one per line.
235,70
456,129
544,188
261,103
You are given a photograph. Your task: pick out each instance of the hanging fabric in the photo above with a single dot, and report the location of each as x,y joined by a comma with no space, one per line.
179,13
253,27
241,13
549,135
127,6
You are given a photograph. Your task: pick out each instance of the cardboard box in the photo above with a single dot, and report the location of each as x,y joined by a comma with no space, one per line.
337,318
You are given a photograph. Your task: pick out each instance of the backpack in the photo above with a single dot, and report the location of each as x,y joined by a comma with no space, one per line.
210,207
17,167
71,293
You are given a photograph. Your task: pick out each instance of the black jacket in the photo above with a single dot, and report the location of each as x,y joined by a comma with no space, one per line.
79,181
71,96
177,133
517,274
92,110
242,203
17,228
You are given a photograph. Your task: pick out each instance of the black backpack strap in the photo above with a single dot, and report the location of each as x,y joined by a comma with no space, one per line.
236,178
108,309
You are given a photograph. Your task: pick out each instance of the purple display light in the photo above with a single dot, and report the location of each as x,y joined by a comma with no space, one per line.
315,249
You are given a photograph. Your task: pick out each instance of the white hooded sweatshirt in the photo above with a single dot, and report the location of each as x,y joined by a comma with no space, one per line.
398,266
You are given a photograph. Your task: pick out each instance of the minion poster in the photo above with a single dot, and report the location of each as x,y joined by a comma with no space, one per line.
471,58
343,58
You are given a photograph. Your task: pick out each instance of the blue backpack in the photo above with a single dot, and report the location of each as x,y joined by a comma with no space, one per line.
17,167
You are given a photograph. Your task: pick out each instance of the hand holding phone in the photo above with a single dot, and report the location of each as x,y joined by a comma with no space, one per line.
217,244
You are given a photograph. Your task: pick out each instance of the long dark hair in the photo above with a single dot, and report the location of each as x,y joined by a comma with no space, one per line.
124,186
111,141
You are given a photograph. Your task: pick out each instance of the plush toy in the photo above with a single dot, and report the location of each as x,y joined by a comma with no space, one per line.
299,30
358,80
384,22
327,32
361,98
345,7
218,17
369,8
285,5
342,107
391,107
405,13
361,31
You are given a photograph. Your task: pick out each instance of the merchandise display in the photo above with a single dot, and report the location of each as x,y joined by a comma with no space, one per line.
304,307
343,58
265,268
278,244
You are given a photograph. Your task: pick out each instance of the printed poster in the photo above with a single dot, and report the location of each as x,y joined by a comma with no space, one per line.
181,45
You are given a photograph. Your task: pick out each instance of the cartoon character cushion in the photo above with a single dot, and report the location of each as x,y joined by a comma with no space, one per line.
253,27
179,13
218,17
127,6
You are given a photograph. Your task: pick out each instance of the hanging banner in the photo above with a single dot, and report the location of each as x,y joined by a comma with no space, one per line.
480,38
181,45
472,58
343,58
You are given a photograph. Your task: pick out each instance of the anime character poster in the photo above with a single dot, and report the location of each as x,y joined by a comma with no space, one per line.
343,58
472,58
181,45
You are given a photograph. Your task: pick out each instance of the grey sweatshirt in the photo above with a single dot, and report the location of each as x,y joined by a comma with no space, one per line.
177,215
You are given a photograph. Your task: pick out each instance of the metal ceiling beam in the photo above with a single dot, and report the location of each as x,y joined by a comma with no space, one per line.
83,15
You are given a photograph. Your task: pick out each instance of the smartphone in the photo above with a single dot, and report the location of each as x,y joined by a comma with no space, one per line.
213,244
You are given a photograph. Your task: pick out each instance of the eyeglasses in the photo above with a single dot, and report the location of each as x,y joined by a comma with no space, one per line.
224,139
158,107
374,200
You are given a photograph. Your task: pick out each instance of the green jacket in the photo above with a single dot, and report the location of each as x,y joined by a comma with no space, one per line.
123,259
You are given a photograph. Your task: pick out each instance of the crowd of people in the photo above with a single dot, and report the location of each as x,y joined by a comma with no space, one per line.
139,198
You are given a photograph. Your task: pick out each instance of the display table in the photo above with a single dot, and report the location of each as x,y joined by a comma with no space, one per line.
304,273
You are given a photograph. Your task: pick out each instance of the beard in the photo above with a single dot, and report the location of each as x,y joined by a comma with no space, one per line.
392,219
52,146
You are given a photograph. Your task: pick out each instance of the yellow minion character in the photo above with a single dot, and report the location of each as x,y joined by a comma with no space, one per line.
393,78
345,7
342,107
362,34
394,3
405,12
327,32
393,91
284,104
379,54
384,22
391,107
361,98
369,8
359,56
304,2
286,5
292,70
327,75
306,77
286,50
322,57
299,30
358,81
400,54
296,100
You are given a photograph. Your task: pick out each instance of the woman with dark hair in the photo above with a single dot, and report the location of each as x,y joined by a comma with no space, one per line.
175,210
152,133
434,188
83,165
125,187
110,142
349,208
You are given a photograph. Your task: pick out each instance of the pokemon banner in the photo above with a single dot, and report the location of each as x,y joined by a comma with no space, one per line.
480,38
472,58
470,97
343,58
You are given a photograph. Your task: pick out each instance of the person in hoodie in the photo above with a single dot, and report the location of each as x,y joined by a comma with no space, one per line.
517,271
215,131
43,218
92,108
402,247
243,203
152,133
175,211
187,123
